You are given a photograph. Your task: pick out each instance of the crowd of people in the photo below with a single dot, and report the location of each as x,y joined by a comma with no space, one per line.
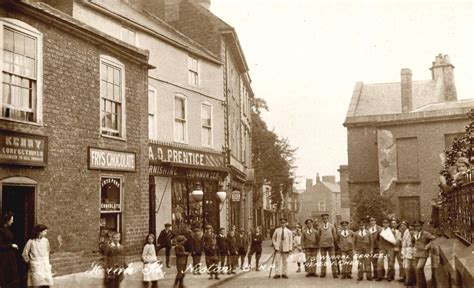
368,247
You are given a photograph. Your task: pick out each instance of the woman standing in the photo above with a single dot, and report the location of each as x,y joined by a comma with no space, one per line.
36,255
9,276
256,247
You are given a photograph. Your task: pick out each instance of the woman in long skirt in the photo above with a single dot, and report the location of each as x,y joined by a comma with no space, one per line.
151,269
36,255
9,276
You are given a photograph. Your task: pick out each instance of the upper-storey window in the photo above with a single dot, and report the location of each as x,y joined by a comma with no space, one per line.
21,52
129,36
193,72
112,97
152,117
206,124
180,120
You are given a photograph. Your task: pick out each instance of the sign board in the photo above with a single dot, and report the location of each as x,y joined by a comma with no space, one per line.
166,153
170,171
110,196
235,196
23,149
111,160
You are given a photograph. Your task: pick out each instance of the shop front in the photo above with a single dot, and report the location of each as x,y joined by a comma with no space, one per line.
186,187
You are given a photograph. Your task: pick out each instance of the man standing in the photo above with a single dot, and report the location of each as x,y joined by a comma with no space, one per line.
327,242
346,244
374,229
164,241
386,242
423,241
223,249
310,244
397,253
282,241
242,245
208,243
363,248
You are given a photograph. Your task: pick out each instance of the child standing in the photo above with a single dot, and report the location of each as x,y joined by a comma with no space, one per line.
151,266
181,261
212,258
36,254
115,264
233,252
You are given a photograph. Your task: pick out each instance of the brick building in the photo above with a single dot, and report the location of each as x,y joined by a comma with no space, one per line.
396,135
323,197
73,135
193,19
186,113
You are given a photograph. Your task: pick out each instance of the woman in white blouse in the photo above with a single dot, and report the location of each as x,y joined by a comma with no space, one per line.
36,254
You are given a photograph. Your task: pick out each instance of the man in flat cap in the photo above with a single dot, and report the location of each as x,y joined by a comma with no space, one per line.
423,240
242,245
310,245
283,244
328,238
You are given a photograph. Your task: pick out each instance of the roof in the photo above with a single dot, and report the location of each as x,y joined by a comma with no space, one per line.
385,98
334,187
468,103
148,22
83,30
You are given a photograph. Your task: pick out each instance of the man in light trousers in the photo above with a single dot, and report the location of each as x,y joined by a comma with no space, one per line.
282,240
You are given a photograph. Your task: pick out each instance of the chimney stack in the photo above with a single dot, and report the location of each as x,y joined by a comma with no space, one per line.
317,178
406,89
309,184
442,72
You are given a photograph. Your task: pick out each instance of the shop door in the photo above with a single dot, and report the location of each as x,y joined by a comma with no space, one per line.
21,201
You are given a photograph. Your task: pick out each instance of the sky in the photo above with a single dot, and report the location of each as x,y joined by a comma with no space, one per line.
305,57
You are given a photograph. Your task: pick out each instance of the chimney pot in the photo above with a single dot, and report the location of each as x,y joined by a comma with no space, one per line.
442,70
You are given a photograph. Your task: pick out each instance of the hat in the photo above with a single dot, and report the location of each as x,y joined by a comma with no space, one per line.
463,160
361,222
167,225
241,229
308,220
208,227
418,222
196,229
344,222
222,228
283,220
180,238
404,222
325,214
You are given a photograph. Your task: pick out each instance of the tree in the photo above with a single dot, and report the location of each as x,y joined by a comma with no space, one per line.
273,156
373,205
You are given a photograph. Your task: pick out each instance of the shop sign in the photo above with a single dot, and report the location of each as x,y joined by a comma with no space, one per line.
111,160
170,171
110,188
23,149
167,153
235,196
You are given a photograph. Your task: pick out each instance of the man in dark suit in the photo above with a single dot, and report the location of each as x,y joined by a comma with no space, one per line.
223,249
164,241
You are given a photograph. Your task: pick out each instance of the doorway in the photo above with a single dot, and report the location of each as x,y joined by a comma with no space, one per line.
20,199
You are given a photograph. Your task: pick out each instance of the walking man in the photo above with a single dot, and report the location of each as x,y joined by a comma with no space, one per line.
164,241
327,242
282,241
310,244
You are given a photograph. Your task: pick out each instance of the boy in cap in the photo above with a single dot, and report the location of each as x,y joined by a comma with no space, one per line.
212,258
164,241
310,244
242,245
363,248
346,244
223,249
233,252
328,238
423,241
196,250
181,261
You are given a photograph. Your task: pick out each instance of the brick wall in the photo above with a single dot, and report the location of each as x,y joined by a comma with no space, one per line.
68,194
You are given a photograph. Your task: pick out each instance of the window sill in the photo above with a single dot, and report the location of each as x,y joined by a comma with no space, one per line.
407,182
38,124
114,137
181,142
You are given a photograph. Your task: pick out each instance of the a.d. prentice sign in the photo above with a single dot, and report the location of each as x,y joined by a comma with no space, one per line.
23,149
111,160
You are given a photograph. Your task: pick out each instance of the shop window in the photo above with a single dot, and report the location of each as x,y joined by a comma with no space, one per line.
110,207
21,93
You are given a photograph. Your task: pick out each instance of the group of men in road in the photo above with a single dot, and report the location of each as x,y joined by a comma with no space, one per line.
369,245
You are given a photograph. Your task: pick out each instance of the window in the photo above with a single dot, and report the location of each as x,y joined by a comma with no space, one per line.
193,74
407,159
152,133
206,123
322,206
112,104
110,207
409,208
21,93
180,127
129,36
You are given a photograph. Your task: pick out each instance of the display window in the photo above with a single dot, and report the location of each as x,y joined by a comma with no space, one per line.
110,208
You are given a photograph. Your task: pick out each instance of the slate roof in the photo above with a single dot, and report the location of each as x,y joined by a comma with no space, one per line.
467,103
334,187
